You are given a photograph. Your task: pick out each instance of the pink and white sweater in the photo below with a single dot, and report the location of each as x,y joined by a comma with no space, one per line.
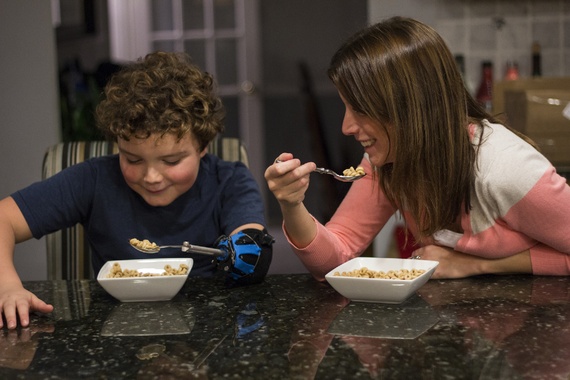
519,203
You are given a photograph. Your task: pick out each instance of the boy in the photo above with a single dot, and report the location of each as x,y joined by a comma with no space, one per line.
162,186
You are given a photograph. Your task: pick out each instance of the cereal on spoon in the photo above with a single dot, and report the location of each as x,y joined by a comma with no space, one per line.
352,172
143,244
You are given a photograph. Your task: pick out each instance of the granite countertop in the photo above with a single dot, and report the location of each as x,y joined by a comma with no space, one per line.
291,326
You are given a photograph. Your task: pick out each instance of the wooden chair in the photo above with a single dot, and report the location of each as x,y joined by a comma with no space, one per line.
68,251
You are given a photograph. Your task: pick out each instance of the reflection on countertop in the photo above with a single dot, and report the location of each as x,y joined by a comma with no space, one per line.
147,318
407,320
291,326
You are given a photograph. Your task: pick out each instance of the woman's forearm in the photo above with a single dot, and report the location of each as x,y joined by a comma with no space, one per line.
299,224
519,263
454,264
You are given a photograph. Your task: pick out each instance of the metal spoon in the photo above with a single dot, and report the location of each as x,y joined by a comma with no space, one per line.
185,247
342,178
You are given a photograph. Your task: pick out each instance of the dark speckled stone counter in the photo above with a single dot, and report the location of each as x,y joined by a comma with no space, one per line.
292,327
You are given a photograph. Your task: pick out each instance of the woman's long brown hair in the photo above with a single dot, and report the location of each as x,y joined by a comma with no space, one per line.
400,73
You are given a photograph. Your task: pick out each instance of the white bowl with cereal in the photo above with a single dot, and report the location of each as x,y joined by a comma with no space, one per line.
146,279
395,279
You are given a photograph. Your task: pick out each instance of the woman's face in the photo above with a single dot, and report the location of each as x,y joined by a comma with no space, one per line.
373,136
160,169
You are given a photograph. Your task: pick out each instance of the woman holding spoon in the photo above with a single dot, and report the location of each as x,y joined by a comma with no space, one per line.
477,196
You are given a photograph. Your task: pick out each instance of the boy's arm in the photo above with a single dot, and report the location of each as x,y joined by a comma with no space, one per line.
255,226
13,229
15,301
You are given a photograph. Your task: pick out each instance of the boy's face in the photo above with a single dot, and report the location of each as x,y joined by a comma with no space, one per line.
160,169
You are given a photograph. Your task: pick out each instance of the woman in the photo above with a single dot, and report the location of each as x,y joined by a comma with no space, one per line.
477,196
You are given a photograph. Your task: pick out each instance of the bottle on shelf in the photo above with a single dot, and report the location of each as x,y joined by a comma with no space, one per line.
512,72
536,58
460,61
485,91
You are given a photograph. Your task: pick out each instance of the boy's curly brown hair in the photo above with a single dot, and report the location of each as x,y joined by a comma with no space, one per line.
162,93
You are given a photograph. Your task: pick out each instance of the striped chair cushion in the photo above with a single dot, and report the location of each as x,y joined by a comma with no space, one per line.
229,149
68,252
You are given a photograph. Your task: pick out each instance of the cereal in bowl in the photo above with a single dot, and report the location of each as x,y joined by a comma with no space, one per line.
118,272
402,274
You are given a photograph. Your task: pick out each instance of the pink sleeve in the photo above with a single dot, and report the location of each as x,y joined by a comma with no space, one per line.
356,222
544,215
548,261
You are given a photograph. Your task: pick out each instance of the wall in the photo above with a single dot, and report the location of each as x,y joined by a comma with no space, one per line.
296,31
28,108
91,49
496,30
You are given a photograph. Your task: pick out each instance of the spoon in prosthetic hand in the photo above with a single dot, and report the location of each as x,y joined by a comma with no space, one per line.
147,247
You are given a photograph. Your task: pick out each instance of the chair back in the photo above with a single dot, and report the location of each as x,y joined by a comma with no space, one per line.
68,251
229,149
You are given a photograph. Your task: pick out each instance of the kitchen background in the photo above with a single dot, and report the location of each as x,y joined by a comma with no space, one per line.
291,31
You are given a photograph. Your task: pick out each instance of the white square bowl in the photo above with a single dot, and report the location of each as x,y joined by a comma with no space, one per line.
376,289
150,288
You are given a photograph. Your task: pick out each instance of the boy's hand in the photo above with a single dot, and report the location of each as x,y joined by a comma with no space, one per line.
17,303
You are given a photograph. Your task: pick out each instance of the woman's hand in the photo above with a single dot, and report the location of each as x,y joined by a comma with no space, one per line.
453,264
288,179
17,303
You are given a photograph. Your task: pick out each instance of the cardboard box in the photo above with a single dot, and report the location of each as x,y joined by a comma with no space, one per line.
543,83
544,116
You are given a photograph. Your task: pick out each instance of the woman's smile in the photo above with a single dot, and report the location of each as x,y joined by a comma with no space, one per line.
367,143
